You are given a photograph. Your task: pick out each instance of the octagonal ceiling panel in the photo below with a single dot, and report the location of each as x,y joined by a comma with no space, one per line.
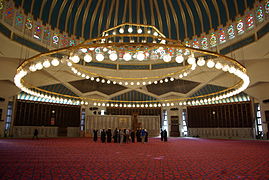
85,86
178,85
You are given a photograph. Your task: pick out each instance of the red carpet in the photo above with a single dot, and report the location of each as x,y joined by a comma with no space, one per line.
80,158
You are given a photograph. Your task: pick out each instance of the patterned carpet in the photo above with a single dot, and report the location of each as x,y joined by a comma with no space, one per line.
179,158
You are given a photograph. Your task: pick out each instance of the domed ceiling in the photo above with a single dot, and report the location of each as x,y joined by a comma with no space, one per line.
177,19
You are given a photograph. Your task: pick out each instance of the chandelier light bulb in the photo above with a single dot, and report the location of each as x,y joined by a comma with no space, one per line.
121,30
39,66
191,60
130,29
179,59
87,58
140,56
100,57
32,68
155,33
46,64
166,58
69,64
201,61
84,50
139,31
218,65
75,58
127,57
210,64
55,62
232,70
113,56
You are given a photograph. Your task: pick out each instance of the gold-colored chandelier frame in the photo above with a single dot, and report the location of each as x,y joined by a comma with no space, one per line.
94,43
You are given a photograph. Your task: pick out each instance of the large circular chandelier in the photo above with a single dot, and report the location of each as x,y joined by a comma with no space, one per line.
131,44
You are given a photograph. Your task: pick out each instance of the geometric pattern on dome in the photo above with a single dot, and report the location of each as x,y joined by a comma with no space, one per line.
178,85
133,96
88,19
87,85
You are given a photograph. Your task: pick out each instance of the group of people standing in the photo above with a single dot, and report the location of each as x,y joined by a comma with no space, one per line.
121,135
164,135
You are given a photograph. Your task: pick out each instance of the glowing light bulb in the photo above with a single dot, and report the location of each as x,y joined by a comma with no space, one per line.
218,65
113,56
166,58
139,31
210,64
75,58
179,59
87,58
39,66
84,50
121,30
99,57
127,57
130,29
140,56
55,62
201,61
191,60
32,68
46,64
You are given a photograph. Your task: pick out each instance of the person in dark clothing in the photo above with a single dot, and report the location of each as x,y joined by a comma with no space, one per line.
146,135
35,134
165,135
115,135
138,135
119,138
161,135
124,136
95,135
103,136
108,135
133,136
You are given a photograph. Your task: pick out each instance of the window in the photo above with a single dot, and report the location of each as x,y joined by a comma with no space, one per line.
82,121
165,120
8,117
184,123
258,119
